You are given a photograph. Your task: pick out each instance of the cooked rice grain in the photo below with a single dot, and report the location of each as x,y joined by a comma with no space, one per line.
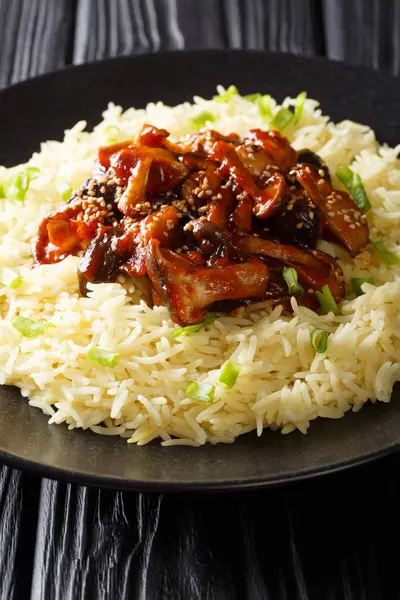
283,383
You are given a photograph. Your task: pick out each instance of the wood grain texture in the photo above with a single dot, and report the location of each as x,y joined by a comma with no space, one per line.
364,32
321,540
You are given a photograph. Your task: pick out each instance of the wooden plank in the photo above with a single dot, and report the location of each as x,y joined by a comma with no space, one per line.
33,37
19,493
364,32
105,29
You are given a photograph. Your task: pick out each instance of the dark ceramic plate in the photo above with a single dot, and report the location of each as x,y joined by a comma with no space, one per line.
40,110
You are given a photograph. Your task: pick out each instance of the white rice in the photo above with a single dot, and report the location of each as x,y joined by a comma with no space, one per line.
283,383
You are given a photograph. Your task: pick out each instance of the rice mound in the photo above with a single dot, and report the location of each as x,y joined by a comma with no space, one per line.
283,382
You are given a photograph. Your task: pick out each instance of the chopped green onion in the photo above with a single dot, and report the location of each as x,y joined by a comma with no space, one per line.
327,301
282,119
200,391
112,132
357,282
200,120
105,358
229,374
388,257
319,340
64,189
192,328
352,182
19,184
29,328
252,97
187,330
10,278
32,172
298,109
264,107
227,95
290,276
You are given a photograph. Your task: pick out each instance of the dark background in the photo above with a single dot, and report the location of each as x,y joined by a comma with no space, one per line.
332,538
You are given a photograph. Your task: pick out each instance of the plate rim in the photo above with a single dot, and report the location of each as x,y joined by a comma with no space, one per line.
150,485
207,51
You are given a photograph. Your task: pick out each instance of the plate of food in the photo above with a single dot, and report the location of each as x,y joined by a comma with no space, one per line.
199,270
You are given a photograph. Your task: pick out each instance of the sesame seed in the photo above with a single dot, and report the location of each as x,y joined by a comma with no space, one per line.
358,224
251,156
208,193
308,170
219,196
196,191
205,181
321,172
201,194
214,198
321,181
331,213
311,215
352,226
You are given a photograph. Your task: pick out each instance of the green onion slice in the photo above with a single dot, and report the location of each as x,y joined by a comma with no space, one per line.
357,282
193,328
10,278
319,340
19,184
105,358
200,391
327,301
252,97
282,119
264,107
201,119
298,109
290,276
64,189
352,182
229,373
227,95
29,328
388,257
112,132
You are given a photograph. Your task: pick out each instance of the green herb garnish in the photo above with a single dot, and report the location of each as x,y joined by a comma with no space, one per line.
105,358
290,276
229,373
29,328
357,282
319,340
327,301
200,391
352,182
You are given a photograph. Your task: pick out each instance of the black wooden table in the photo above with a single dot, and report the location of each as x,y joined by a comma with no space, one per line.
332,538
